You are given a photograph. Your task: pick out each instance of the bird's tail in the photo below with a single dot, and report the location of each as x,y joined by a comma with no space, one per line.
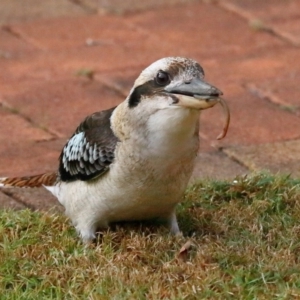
47,179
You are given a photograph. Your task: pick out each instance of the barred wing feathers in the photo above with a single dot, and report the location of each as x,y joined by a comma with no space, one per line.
90,150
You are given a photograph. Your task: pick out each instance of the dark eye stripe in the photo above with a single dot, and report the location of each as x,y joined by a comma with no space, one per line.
136,95
148,88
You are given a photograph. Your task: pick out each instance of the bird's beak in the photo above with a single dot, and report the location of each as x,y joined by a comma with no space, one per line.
195,93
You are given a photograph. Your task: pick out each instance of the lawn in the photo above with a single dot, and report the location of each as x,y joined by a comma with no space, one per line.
241,241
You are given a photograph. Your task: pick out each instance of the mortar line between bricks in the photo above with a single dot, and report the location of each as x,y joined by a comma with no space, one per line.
131,24
16,34
221,149
271,98
247,16
235,159
12,110
113,87
84,6
17,199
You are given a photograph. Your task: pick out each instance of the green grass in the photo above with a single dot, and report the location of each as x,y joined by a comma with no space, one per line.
245,245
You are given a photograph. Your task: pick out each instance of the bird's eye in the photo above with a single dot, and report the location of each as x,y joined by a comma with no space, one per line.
162,78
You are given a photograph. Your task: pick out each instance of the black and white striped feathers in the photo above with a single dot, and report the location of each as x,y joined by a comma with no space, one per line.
90,150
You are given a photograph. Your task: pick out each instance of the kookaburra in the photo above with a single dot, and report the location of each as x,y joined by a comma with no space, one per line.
133,161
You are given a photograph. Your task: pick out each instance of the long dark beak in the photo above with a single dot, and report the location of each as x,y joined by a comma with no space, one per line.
195,93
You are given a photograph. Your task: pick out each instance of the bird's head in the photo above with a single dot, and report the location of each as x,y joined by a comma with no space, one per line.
169,93
173,82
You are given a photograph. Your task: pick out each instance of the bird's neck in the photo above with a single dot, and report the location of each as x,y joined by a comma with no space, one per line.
172,130
163,132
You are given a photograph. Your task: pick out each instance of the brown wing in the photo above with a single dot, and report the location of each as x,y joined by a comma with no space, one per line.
90,150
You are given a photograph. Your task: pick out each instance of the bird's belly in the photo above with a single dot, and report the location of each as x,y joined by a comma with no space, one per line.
144,203
139,194
150,189
145,198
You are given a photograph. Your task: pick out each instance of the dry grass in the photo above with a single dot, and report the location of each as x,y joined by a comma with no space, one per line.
245,245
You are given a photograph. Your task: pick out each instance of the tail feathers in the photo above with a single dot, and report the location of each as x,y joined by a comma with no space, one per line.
48,179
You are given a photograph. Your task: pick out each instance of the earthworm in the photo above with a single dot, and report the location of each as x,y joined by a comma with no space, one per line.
226,113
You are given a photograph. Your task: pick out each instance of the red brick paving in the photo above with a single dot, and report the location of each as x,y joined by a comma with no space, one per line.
59,106
20,151
282,157
279,17
249,49
203,31
27,10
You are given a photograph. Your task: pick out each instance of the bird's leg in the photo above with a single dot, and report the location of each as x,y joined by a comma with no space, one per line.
86,228
173,225
86,232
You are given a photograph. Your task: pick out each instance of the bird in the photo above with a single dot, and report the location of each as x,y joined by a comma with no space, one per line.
132,162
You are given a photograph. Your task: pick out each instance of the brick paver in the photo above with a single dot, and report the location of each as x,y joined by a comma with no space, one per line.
280,157
62,61
275,16
27,10
8,202
68,101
